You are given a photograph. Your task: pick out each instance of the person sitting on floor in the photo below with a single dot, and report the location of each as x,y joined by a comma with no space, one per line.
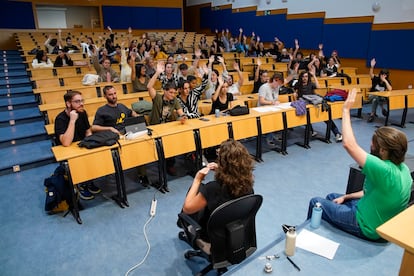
387,185
72,125
379,83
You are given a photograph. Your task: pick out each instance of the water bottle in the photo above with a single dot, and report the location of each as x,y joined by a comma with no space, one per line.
316,215
217,112
290,245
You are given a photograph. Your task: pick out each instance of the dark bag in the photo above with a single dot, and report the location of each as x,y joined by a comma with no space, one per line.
99,139
58,195
239,110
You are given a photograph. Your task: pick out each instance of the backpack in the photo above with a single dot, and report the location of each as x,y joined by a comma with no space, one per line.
99,139
58,195
90,79
336,95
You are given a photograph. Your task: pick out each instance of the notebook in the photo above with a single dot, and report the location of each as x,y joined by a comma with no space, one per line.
135,127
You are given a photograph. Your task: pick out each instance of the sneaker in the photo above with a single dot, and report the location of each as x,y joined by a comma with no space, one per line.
84,193
182,236
143,180
93,189
314,133
338,138
270,143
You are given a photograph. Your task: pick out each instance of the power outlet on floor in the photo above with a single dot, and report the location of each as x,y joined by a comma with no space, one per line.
16,168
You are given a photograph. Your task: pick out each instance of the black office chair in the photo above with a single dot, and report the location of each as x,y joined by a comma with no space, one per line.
231,230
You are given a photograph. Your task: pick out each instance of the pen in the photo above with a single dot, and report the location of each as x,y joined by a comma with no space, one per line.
295,265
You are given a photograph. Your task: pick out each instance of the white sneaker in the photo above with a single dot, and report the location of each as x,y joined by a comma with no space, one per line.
314,133
338,137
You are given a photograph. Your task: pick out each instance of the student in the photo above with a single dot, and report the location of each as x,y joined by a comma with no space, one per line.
387,185
139,76
104,70
111,117
62,59
260,77
42,60
379,83
72,125
222,99
165,108
233,178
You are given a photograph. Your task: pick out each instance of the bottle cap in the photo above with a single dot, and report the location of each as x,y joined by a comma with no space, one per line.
318,205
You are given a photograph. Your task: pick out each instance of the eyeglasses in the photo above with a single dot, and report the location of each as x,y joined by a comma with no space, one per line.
78,101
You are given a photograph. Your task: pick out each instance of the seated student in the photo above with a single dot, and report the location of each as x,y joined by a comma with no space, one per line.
62,59
213,75
379,83
111,117
305,86
387,185
139,77
168,75
234,88
42,60
260,77
189,98
104,70
127,61
72,125
233,178
52,45
222,99
165,108
70,47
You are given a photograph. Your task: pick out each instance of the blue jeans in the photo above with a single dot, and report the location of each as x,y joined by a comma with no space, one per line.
343,216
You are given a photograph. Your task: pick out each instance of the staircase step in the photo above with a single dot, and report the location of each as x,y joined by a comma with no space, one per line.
17,101
20,131
15,73
15,80
13,66
16,90
25,156
20,114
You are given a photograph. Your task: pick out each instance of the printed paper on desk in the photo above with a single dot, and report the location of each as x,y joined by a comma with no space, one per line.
316,244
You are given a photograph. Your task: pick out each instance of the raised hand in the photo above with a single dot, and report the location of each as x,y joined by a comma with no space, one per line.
160,67
373,62
259,62
220,59
241,30
350,100
236,66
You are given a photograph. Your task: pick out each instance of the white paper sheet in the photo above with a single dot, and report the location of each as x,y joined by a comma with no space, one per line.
317,244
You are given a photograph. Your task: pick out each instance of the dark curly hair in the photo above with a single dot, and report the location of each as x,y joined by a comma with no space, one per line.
235,168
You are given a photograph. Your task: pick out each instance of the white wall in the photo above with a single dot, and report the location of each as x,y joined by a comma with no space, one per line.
392,11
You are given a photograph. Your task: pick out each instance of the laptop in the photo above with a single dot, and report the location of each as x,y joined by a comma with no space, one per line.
135,127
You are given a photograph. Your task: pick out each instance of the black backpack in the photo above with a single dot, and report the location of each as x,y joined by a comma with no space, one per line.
58,194
99,139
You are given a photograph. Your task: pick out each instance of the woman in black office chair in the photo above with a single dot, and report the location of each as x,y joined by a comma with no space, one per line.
233,179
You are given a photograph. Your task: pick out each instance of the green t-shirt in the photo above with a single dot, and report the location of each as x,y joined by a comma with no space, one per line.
387,189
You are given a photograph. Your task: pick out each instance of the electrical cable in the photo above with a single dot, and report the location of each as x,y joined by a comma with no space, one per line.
148,248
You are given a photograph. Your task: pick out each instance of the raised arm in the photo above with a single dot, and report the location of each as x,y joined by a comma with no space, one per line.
371,69
217,92
239,73
313,74
257,72
151,90
349,142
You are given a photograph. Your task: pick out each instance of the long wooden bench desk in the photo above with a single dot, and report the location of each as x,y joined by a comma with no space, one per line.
60,71
397,99
399,230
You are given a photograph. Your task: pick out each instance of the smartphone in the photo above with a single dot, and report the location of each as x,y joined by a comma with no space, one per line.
204,119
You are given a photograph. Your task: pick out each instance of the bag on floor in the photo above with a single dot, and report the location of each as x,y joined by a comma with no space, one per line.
99,139
90,79
57,191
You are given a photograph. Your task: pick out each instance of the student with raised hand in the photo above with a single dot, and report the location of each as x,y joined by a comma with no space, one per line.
234,88
380,83
52,45
222,99
104,70
165,108
387,185
260,77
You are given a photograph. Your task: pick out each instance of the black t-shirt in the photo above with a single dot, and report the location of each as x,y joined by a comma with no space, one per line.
221,106
378,84
305,89
112,116
62,122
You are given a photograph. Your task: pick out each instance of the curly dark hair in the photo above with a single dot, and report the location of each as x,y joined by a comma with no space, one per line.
235,168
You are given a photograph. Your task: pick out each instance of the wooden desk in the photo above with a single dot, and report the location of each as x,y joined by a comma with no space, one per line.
399,230
397,99
83,164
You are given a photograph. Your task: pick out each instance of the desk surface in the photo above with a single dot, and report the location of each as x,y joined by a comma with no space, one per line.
401,92
400,229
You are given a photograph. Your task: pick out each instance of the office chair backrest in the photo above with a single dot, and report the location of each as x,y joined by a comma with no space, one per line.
232,230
